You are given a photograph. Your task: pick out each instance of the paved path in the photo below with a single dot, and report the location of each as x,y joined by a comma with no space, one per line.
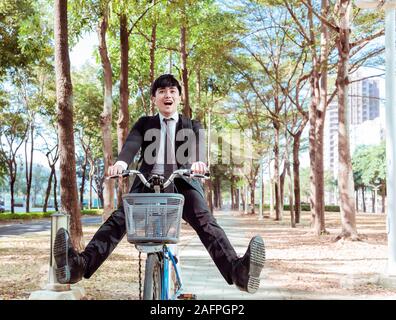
22,227
201,276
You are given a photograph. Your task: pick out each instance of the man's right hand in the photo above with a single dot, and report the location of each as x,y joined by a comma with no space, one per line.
115,169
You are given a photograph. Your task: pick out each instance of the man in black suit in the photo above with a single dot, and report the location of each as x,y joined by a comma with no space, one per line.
167,141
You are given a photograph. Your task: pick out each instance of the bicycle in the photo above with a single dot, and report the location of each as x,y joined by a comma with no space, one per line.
153,225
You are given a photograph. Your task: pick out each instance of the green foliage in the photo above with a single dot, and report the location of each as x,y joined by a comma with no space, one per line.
369,165
13,126
25,33
38,215
3,174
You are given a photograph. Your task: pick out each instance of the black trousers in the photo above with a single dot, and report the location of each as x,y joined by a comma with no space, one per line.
195,212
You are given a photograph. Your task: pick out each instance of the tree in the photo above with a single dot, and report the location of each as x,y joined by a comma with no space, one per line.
106,116
52,154
345,175
13,131
88,102
369,167
13,13
64,98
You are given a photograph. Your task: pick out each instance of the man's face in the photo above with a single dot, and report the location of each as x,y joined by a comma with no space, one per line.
167,100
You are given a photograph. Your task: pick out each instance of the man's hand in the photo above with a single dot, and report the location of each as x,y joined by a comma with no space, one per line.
115,169
199,167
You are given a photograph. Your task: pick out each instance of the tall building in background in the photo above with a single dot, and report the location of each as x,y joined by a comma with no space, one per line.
363,98
367,124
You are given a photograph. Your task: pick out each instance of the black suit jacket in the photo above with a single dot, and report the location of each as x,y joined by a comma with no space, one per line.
189,146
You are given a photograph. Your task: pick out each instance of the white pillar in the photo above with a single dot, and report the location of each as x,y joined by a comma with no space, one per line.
390,115
390,136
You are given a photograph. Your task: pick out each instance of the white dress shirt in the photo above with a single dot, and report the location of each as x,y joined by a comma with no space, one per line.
158,165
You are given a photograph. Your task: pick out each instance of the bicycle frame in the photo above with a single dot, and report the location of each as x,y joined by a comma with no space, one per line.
165,292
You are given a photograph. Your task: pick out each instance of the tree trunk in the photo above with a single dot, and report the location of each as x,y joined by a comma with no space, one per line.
153,44
345,174
364,200
232,196
82,186
91,173
106,116
237,200
319,126
215,194
183,54
232,188
199,115
29,168
292,215
12,167
123,115
243,199
12,184
282,184
99,179
64,99
317,113
296,177
48,191
278,199
312,141
219,194
383,198
252,197
55,192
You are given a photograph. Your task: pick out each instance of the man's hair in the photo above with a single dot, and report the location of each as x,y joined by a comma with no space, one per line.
166,80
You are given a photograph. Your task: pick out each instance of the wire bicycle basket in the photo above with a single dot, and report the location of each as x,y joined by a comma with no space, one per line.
153,217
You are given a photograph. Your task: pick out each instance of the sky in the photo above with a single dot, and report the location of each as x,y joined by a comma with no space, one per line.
82,51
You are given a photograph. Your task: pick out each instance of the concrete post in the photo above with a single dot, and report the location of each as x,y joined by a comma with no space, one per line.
58,220
53,289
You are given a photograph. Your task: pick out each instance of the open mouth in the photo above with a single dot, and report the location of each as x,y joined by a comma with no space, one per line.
168,103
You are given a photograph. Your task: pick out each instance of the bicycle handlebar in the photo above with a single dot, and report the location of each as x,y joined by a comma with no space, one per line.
175,174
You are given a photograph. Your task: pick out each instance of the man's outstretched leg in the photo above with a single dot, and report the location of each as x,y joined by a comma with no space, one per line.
244,271
71,265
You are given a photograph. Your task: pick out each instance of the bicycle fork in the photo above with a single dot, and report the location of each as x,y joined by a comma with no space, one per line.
166,279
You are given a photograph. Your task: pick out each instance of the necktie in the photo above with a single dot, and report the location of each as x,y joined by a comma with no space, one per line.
169,154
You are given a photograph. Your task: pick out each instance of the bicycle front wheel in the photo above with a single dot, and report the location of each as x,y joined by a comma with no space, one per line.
152,278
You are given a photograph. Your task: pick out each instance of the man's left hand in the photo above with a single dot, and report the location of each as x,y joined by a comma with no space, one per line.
199,167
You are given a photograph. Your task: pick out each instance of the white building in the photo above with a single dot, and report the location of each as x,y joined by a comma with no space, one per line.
366,115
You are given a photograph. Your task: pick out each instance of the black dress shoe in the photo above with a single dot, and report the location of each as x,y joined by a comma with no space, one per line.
246,270
70,265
